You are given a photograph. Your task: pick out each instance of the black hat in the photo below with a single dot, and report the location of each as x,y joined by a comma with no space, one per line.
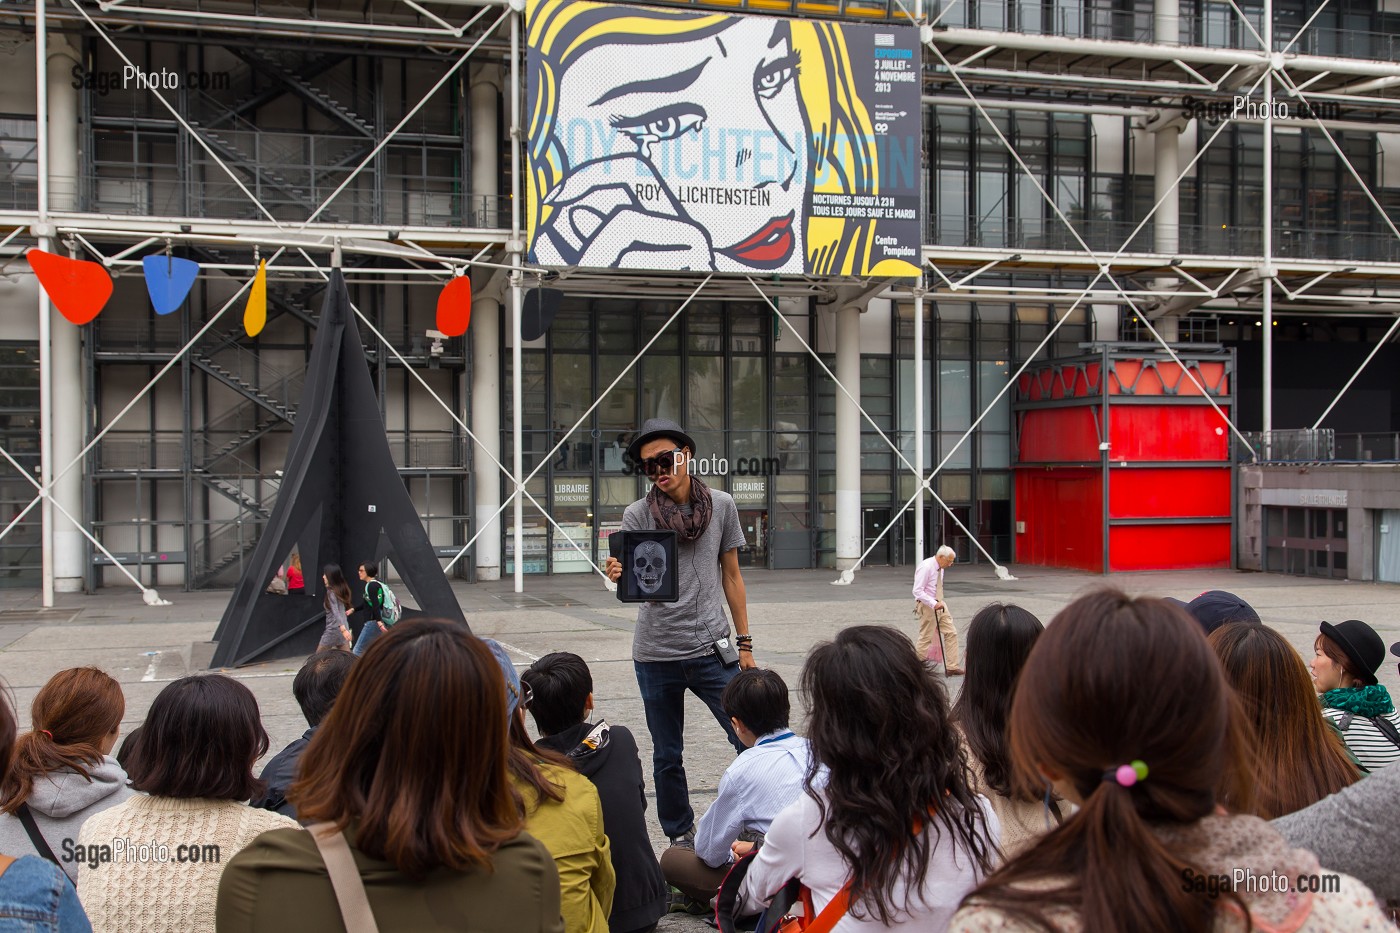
653,428
1395,649
1360,643
1214,608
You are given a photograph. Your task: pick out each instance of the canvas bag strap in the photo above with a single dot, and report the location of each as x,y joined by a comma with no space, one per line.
345,879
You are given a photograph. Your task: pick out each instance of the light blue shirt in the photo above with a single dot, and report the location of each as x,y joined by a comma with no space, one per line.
760,783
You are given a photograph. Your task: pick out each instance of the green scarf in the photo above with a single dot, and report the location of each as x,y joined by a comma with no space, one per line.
1363,701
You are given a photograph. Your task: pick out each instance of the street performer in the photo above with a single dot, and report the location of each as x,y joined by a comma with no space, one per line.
678,646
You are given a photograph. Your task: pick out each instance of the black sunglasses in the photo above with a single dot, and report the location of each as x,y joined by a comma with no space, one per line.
662,463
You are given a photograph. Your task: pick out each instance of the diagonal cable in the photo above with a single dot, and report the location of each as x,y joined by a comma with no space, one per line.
410,115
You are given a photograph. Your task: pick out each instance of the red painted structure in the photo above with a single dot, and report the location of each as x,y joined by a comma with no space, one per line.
1159,495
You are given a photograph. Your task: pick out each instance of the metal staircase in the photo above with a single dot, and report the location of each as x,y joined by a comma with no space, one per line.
269,63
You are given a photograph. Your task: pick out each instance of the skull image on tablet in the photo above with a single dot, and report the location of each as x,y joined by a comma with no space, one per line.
649,566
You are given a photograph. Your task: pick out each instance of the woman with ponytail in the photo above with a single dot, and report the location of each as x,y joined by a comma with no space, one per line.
889,824
63,771
1124,709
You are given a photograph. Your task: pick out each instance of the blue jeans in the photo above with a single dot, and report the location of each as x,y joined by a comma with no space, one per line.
663,685
367,634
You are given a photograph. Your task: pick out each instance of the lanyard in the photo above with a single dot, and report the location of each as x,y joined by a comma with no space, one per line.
776,738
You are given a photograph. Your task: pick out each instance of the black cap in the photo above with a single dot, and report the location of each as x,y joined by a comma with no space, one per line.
1214,608
1360,643
653,428
1395,649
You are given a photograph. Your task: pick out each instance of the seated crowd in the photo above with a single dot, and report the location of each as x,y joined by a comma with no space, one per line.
1137,764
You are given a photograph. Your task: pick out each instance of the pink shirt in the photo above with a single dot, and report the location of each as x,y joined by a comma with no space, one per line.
928,582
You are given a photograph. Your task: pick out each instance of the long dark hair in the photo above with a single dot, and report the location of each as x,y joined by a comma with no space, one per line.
1299,757
999,639
1113,680
335,583
878,721
72,713
415,749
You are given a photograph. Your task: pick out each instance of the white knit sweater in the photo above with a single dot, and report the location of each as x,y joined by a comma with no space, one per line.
137,892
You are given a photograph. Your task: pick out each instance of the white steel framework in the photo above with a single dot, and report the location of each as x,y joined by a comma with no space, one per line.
984,70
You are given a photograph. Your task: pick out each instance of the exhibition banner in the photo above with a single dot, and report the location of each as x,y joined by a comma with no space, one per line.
674,139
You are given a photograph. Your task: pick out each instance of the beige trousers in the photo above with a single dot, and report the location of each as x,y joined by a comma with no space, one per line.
937,625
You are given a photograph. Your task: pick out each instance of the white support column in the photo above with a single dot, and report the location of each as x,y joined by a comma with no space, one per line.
47,468
1166,24
919,390
68,411
1268,236
1166,223
848,517
486,335
517,255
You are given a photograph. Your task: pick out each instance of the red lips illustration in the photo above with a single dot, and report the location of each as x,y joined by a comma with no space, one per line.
766,248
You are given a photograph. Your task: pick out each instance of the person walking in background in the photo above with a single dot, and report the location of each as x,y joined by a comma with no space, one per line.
999,639
63,772
1299,758
894,831
677,646
296,583
410,768
376,607
337,603
561,688
1346,658
193,763
35,895
315,687
935,622
1123,706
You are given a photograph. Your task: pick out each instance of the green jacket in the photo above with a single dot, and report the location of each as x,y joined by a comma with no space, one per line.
278,884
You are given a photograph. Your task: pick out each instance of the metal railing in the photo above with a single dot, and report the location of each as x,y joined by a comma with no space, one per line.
959,230
1321,445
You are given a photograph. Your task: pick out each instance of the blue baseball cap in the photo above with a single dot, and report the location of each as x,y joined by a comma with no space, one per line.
508,672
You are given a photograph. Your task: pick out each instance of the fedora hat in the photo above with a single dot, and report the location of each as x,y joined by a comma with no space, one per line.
1360,643
653,428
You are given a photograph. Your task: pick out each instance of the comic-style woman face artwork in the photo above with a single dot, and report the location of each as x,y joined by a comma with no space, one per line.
693,157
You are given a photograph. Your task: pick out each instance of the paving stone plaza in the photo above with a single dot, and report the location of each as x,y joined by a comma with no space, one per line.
145,647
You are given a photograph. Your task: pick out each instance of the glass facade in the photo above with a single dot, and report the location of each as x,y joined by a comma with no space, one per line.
771,414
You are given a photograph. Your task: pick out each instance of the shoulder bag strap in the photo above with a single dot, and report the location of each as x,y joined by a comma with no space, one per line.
831,914
345,879
36,838
1387,729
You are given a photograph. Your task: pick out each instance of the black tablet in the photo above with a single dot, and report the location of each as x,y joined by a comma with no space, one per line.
648,561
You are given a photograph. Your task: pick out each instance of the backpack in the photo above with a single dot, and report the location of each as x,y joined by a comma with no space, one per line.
392,610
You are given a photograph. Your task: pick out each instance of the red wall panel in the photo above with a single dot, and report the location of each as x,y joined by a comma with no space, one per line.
1169,547
1167,432
1050,435
1062,509
1160,492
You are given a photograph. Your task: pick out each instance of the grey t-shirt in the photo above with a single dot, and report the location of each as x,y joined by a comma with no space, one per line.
688,627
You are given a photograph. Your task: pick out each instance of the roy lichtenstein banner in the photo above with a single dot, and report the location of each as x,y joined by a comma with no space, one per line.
685,140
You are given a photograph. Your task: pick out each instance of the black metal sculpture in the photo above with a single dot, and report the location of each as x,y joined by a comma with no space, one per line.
342,501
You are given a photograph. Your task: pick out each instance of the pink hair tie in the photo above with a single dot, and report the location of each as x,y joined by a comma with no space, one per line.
1127,775
47,732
